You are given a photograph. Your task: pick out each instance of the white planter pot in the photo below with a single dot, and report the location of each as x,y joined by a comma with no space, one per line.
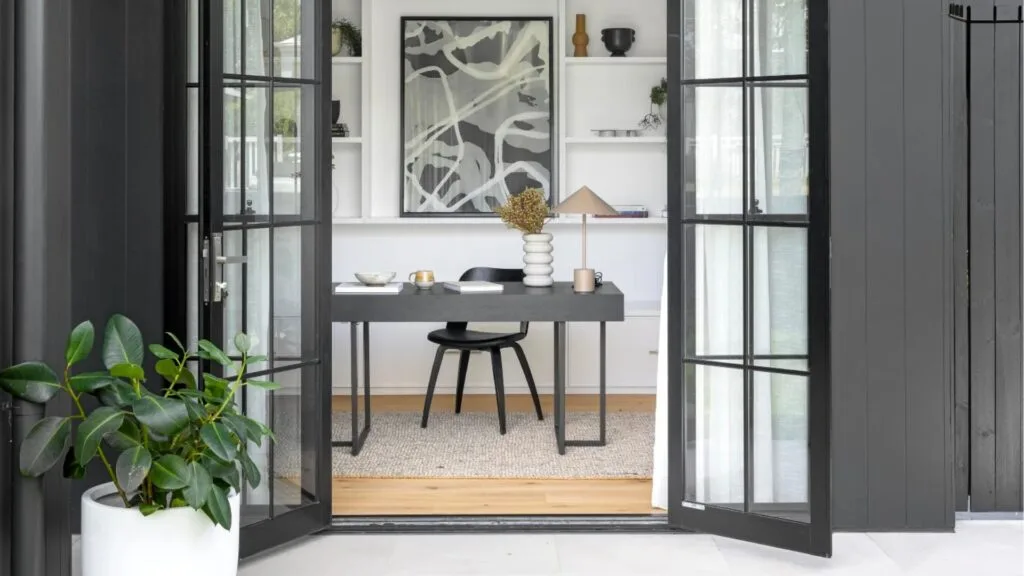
119,541
537,259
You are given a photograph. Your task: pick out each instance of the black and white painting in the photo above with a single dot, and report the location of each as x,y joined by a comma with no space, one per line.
476,113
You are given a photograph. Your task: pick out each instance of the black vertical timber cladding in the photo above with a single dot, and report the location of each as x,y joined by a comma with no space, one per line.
982,265
849,339
891,264
924,250
117,223
6,280
885,289
1007,261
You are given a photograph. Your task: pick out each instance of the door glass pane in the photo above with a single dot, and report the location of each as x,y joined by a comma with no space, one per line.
192,198
713,152
233,36
780,149
293,470
780,475
713,39
193,287
256,502
779,296
780,37
258,36
294,37
294,251
714,293
293,144
247,304
714,436
246,170
193,41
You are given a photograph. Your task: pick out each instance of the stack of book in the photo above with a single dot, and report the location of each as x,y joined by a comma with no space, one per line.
474,287
628,211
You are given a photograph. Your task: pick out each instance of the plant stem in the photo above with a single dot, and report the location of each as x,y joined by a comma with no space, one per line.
103,457
234,387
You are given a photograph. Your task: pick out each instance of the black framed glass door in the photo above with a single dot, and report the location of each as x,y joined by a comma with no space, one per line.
258,247
749,271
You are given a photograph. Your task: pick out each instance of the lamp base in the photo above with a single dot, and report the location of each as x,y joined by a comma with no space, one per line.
583,280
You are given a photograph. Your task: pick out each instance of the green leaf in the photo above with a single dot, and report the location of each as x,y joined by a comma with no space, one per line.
256,359
217,437
45,444
177,342
223,471
162,415
195,411
72,469
215,388
32,381
242,342
91,432
132,466
264,384
80,343
127,370
199,487
169,370
214,353
178,503
170,472
90,382
217,507
117,394
148,509
126,437
249,470
122,342
245,427
160,351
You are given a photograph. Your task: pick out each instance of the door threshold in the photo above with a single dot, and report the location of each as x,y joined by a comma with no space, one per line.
639,523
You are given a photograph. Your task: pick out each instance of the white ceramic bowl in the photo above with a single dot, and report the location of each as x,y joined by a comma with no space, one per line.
375,278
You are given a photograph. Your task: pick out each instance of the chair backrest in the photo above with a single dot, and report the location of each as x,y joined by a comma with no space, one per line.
485,274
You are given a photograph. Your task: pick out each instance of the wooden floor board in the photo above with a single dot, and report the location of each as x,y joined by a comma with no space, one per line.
473,496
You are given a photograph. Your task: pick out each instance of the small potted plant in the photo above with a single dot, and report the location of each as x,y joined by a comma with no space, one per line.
177,459
659,95
527,212
345,33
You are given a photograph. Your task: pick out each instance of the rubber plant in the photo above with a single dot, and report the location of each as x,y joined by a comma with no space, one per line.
351,36
659,95
184,446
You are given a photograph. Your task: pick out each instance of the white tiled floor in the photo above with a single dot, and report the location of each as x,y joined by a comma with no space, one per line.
977,549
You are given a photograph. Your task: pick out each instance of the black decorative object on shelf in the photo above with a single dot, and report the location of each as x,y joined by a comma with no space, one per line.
335,111
618,41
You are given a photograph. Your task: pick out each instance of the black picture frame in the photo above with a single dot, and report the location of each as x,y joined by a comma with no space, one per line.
551,189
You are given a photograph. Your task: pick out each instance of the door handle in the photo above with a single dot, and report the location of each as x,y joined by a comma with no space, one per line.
213,248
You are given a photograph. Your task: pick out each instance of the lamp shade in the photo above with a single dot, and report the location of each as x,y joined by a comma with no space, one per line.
584,201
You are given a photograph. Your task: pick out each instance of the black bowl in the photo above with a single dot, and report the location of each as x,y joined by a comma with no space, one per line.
618,41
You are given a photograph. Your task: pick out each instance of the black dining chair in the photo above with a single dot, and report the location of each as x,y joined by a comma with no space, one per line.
456,336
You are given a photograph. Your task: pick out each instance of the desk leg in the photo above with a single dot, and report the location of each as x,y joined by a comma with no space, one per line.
603,401
560,386
358,436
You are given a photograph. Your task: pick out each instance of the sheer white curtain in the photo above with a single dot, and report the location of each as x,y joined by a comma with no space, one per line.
778,269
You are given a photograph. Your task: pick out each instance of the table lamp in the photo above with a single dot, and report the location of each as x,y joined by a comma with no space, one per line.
584,201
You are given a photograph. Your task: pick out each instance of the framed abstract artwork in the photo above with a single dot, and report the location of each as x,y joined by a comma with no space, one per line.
477,113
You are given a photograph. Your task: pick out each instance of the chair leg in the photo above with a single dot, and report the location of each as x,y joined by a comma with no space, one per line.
499,386
529,379
433,383
461,386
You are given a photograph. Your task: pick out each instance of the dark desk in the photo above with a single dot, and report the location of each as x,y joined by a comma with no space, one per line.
557,304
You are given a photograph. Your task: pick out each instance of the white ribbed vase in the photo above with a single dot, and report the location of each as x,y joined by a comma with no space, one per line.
537,259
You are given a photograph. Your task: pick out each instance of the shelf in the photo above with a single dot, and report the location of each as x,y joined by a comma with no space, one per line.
353,140
615,140
467,221
616,61
342,60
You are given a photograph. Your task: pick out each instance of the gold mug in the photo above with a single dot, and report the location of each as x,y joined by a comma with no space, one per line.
422,278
